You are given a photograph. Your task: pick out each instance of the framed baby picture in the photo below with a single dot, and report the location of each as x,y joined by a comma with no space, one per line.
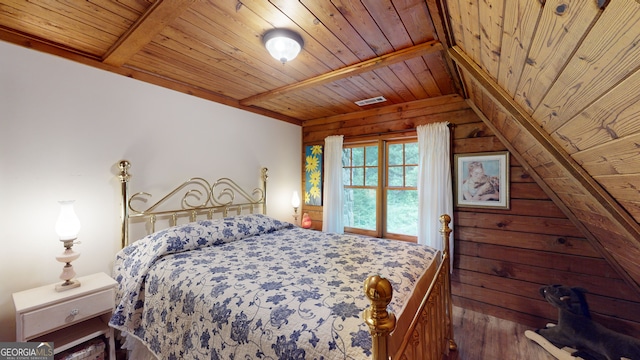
482,180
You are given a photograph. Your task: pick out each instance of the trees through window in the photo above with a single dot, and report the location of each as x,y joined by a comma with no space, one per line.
380,188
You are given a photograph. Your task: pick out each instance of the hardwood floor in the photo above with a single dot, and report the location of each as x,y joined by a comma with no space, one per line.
484,337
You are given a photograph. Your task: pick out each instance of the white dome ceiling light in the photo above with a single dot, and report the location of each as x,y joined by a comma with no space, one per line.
284,45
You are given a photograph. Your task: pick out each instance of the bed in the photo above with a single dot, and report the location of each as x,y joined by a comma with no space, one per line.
226,281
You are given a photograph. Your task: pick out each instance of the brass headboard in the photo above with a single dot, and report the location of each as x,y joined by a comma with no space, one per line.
197,197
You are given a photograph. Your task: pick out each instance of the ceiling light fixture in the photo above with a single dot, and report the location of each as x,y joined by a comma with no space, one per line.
284,45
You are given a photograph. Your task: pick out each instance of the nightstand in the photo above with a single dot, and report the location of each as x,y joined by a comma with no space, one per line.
67,318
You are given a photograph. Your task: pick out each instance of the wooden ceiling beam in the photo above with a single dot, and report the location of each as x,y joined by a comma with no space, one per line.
151,23
441,23
352,70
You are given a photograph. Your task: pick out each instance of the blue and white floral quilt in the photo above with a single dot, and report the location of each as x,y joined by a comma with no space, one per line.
252,287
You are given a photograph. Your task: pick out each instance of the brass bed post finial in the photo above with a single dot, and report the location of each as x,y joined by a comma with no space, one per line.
124,176
445,219
381,322
265,176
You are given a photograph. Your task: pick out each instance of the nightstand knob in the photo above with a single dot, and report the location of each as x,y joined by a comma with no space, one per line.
74,312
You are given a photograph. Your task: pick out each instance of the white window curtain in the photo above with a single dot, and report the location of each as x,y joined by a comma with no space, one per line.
332,217
435,192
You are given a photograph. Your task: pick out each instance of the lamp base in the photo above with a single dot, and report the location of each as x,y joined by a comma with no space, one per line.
67,285
295,216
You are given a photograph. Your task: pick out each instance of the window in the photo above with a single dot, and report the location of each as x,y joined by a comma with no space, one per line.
360,176
401,189
380,188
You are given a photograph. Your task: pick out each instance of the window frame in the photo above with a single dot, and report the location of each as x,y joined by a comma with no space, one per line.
387,187
377,232
382,187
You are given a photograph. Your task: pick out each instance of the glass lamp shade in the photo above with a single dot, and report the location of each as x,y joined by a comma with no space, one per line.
67,225
284,45
295,200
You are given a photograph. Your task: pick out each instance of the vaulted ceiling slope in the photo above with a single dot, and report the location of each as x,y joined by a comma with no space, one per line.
559,81
353,50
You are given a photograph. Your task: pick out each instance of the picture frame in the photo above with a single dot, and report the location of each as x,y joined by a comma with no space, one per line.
482,180
313,175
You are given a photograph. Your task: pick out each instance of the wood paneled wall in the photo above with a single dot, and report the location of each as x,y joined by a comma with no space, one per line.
502,257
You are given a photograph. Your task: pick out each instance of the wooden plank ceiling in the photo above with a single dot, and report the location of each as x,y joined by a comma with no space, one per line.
558,82
353,50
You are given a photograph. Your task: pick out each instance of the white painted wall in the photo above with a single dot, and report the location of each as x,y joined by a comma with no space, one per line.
63,129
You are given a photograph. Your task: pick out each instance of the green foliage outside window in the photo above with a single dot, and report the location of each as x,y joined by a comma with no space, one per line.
361,185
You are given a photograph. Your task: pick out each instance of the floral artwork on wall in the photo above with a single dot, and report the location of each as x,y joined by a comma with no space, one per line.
313,175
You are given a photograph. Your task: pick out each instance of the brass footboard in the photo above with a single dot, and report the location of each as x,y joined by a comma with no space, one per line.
430,335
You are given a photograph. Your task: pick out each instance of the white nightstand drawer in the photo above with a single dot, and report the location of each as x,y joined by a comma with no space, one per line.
66,313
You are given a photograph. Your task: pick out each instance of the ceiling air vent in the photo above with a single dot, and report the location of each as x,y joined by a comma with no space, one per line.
373,100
